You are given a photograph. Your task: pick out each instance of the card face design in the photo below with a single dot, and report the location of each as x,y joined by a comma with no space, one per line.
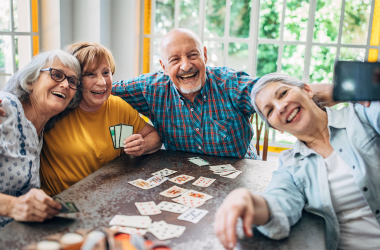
189,201
174,191
125,132
128,230
180,179
199,161
131,221
117,135
197,195
172,207
163,231
222,167
112,131
193,215
164,172
203,182
147,208
140,183
157,180
233,175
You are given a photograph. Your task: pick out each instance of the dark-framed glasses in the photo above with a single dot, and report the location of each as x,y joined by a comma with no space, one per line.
59,76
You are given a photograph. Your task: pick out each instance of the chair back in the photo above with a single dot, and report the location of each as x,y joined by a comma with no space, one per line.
258,129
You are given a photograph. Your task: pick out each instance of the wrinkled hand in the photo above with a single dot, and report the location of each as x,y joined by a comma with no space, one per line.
34,206
238,203
134,145
2,112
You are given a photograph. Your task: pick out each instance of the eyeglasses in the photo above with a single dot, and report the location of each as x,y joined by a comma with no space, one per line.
59,76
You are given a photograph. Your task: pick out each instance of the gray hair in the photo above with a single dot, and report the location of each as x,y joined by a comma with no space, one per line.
20,82
277,77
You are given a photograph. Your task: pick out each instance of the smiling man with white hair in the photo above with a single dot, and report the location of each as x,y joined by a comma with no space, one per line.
195,108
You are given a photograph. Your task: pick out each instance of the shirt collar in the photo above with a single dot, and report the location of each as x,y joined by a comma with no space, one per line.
300,150
178,98
335,118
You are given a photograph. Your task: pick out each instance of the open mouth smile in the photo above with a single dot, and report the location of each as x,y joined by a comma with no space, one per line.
58,94
188,76
98,93
292,115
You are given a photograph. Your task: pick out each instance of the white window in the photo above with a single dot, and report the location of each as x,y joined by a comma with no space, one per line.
19,35
302,38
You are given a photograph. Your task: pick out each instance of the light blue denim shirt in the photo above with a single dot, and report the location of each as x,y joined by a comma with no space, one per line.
301,179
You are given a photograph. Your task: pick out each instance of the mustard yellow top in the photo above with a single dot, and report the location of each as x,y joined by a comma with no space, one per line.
81,143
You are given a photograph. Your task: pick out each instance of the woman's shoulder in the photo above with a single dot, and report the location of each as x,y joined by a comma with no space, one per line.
10,103
117,101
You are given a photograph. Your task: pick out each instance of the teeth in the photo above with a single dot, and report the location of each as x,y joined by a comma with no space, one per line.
59,94
98,93
189,75
293,114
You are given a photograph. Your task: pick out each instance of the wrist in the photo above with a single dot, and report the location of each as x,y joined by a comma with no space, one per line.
262,214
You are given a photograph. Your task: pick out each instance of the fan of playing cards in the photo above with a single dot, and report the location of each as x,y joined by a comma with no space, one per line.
183,201
119,133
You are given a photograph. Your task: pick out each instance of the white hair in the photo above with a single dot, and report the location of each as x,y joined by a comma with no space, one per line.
267,79
19,84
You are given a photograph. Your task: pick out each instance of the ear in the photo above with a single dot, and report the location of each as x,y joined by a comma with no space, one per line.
205,54
310,93
163,67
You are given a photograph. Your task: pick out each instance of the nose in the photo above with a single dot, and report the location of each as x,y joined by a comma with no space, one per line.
280,107
100,80
186,64
64,84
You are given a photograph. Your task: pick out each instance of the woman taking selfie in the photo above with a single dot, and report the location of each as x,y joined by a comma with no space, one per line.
333,170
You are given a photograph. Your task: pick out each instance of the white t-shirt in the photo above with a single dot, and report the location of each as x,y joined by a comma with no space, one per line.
359,228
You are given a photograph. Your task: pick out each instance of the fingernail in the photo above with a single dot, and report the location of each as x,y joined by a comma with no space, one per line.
231,245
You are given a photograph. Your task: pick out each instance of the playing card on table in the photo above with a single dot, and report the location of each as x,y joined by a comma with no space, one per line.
193,215
189,201
172,207
197,195
164,172
163,231
128,230
233,175
131,221
225,172
203,182
199,161
180,179
142,184
174,191
147,208
157,180
219,168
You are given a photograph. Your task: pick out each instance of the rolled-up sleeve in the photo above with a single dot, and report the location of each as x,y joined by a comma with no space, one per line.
285,203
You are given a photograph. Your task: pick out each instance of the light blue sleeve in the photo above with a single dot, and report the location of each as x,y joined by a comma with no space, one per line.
285,203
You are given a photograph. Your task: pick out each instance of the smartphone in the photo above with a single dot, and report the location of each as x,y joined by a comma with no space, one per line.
356,81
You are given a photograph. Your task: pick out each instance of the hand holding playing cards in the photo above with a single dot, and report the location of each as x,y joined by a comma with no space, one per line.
134,145
33,206
252,208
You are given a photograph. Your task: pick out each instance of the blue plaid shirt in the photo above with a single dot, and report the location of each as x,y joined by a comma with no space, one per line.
217,123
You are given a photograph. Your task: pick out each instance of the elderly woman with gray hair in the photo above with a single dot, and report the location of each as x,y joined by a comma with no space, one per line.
333,170
36,93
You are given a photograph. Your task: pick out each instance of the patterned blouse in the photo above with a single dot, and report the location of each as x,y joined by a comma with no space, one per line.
20,149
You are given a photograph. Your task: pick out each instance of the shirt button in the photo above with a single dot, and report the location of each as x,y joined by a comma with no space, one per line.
365,189
191,109
199,147
224,136
353,167
197,129
340,150
377,211
204,97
